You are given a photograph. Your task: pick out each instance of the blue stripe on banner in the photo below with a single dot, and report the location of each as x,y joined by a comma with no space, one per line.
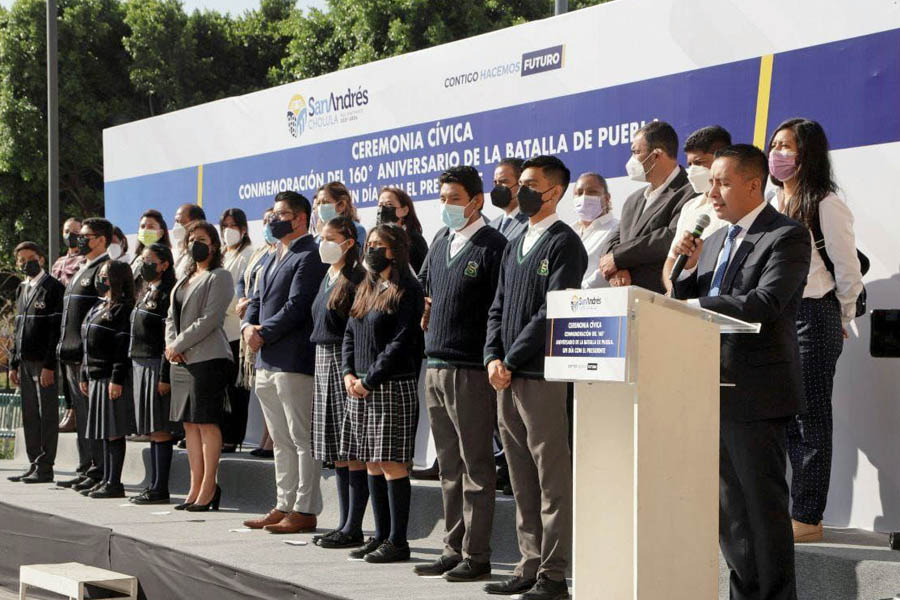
126,199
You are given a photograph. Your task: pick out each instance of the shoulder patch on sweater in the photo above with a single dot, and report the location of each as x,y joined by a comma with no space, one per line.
471,269
544,268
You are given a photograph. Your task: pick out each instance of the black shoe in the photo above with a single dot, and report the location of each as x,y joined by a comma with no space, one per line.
321,536
68,483
183,506
39,477
510,586
151,497
229,448
547,589
85,484
469,570
181,444
387,552
371,545
31,469
339,539
212,505
438,567
108,490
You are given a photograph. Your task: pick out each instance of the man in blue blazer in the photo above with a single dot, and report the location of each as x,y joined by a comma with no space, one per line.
278,325
753,270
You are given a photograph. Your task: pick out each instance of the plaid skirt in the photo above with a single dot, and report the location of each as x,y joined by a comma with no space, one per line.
382,426
108,418
328,404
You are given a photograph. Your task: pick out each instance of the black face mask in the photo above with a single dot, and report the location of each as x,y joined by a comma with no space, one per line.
280,229
101,285
377,260
31,267
148,271
530,201
199,251
386,214
84,245
501,196
71,240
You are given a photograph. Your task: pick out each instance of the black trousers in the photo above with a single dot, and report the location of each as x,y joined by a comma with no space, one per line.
40,417
234,427
755,532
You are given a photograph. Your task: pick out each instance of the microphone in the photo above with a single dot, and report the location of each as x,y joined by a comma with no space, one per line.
702,223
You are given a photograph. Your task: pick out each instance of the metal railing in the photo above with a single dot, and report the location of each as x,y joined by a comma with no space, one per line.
11,413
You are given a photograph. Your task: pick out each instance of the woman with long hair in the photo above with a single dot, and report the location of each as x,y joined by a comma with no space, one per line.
395,206
334,200
152,229
198,350
380,376
800,168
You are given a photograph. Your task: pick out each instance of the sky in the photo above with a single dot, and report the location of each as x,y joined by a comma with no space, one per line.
234,7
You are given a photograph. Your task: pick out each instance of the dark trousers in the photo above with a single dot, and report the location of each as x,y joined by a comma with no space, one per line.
809,434
235,426
462,410
40,416
90,452
755,532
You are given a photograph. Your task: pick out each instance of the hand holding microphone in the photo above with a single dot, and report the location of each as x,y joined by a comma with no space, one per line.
689,247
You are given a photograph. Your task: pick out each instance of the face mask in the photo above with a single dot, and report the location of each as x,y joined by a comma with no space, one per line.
101,285
31,267
783,164
386,214
588,208
148,271
84,245
331,252
148,237
501,196
530,201
454,216
267,235
699,178
114,251
72,240
281,228
178,232
377,260
635,168
199,251
232,236
327,212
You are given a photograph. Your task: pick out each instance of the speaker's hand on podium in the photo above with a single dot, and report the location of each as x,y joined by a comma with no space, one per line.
499,375
691,247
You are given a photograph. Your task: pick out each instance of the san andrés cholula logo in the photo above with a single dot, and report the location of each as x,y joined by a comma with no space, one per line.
333,109
578,303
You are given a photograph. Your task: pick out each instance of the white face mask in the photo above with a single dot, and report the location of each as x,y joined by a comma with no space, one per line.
232,236
635,168
331,252
114,251
699,178
178,232
588,208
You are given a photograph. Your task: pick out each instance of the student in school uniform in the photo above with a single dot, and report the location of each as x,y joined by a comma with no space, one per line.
106,373
150,370
330,311
32,363
532,412
460,279
380,379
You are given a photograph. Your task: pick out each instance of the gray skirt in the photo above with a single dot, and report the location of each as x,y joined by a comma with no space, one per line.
151,410
108,418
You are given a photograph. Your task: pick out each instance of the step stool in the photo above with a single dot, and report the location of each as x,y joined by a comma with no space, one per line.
70,579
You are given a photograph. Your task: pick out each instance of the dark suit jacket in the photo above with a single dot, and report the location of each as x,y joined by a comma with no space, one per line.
38,312
282,304
520,226
641,243
763,284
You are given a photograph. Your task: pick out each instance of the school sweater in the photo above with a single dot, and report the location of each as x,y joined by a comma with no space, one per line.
329,324
517,320
105,336
79,297
461,291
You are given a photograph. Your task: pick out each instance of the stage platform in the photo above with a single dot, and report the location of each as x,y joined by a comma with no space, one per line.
197,555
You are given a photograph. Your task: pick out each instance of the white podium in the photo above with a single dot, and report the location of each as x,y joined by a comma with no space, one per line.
646,499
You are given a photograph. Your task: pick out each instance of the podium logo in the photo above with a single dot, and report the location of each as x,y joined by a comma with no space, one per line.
539,61
296,115
579,303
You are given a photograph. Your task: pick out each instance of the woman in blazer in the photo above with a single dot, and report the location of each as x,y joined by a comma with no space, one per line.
198,350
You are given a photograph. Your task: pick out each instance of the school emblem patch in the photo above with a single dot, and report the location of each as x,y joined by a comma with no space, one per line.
544,268
471,269
85,281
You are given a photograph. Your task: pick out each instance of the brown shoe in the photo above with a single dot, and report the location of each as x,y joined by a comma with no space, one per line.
67,425
293,522
807,534
274,516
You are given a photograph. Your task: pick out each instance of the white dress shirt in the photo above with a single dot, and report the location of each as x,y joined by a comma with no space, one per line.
458,239
700,205
235,263
34,281
594,236
650,196
840,244
535,232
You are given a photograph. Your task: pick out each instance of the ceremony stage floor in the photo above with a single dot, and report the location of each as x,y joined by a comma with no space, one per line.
178,555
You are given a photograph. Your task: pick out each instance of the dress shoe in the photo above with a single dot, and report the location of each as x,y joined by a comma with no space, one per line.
97,487
388,552
181,444
547,589
108,490
263,453
31,469
183,505
320,536
39,476
86,483
432,473
67,425
438,567
510,586
469,570
805,533
68,483
339,539
274,516
293,522
151,497
360,553
211,505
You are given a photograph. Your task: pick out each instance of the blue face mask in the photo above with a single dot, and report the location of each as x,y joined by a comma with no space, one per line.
267,235
327,212
453,216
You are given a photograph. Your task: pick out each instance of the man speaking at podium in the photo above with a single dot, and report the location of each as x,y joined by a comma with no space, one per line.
754,270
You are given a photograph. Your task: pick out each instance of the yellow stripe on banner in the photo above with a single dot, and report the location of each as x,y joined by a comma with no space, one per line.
762,101
200,185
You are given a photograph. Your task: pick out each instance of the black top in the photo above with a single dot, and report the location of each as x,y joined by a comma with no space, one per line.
461,289
329,324
105,336
38,312
377,346
517,320
148,324
80,296
418,249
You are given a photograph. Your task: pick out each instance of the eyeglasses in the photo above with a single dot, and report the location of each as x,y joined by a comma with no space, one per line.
284,215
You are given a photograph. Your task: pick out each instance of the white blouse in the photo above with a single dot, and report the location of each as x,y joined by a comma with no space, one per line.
235,263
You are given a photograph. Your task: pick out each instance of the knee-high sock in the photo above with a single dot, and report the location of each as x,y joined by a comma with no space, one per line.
342,479
359,498
381,507
153,470
163,466
399,492
116,460
106,461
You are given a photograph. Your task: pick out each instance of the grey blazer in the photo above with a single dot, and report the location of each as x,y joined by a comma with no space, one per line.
201,317
520,226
